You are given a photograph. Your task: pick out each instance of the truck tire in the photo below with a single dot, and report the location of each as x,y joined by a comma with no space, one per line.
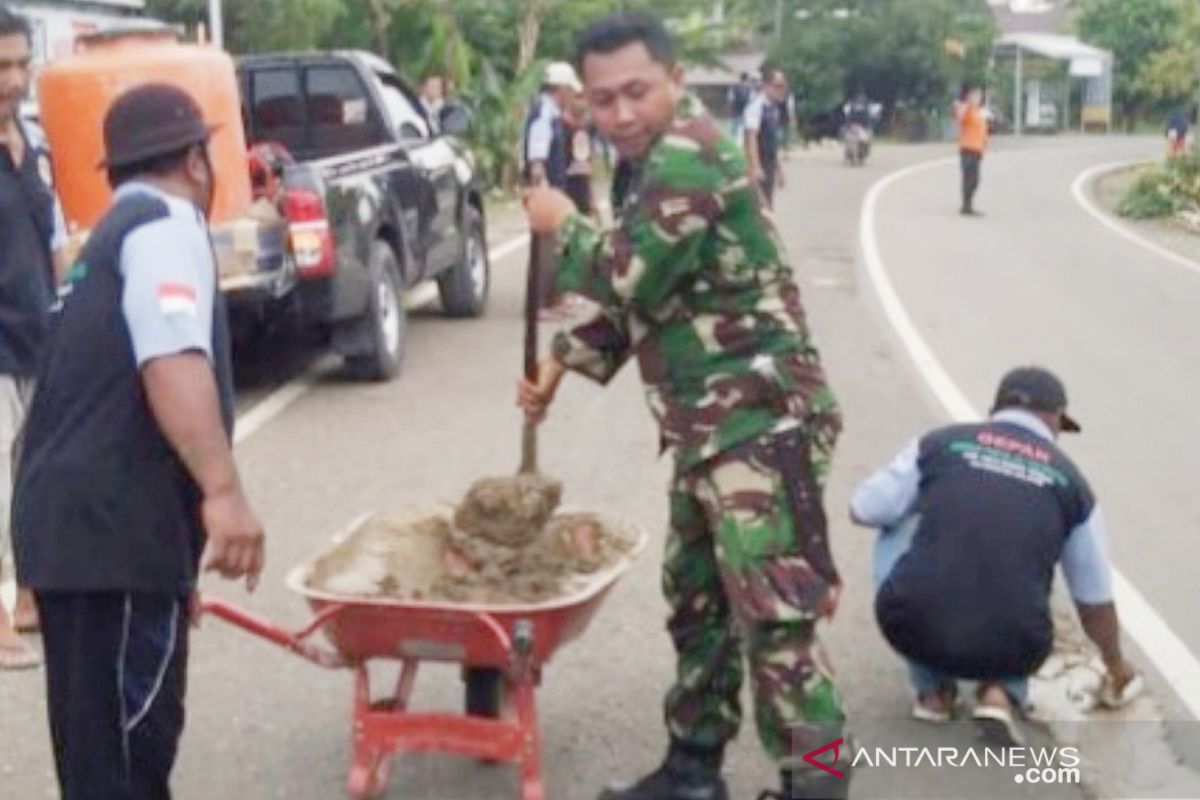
464,287
386,320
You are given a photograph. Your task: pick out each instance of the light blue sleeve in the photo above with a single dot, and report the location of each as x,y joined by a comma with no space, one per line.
890,494
541,134
752,116
170,279
58,239
1085,563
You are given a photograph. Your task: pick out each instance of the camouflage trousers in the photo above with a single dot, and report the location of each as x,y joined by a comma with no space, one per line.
746,569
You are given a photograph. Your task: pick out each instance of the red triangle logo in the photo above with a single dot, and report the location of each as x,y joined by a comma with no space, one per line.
835,746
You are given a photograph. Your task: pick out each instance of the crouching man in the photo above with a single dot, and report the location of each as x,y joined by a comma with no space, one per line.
975,518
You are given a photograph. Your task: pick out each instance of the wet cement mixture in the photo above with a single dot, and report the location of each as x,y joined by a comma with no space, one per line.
424,555
509,511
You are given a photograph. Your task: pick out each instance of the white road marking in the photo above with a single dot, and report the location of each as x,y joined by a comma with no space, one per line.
253,419
952,398
1079,189
509,247
1141,621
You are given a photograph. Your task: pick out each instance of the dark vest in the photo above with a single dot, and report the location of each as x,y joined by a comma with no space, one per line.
768,134
101,500
556,162
26,274
971,596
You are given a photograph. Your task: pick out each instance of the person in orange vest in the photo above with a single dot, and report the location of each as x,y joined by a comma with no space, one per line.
972,142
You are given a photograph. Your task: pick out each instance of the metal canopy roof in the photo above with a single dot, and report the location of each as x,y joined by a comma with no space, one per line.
1085,60
1052,45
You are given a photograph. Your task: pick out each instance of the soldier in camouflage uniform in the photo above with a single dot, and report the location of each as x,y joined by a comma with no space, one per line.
693,281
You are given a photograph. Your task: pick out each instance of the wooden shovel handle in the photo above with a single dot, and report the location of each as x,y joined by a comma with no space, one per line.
537,244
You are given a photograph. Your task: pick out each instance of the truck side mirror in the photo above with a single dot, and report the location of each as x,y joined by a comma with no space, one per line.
454,120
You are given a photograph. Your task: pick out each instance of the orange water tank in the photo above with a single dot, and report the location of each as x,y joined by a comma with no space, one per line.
76,92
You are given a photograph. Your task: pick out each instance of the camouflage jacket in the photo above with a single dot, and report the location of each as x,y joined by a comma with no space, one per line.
693,279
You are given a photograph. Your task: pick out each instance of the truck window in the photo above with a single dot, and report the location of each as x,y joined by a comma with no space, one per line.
339,113
278,109
405,119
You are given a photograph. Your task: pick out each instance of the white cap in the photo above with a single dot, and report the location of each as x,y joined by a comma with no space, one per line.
560,73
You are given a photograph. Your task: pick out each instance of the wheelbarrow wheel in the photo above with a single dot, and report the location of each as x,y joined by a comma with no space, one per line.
485,691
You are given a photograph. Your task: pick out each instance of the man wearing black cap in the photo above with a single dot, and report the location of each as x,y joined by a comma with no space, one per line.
975,518
126,473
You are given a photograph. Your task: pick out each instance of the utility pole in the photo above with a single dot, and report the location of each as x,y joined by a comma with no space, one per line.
216,23
1019,93
778,20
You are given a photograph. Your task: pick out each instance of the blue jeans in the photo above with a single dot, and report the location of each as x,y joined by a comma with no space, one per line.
891,544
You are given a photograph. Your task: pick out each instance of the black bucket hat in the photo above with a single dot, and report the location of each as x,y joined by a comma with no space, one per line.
149,121
1036,389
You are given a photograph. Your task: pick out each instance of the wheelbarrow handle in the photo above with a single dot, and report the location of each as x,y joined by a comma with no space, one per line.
266,629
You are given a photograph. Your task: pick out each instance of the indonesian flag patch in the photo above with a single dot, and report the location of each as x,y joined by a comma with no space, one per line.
177,298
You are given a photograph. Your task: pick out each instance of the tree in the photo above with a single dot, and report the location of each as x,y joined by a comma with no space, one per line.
261,25
910,52
1149,40
493,51
1169,76
381,22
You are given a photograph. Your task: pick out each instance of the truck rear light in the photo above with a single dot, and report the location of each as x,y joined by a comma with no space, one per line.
310,234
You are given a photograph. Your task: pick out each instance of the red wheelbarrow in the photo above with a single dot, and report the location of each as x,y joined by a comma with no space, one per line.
501,647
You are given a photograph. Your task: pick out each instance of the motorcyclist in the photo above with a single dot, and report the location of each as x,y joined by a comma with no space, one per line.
856,131
858,111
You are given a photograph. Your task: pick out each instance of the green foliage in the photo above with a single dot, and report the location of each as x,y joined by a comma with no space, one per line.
261,25
895,50
1156,44
1165,190
499,107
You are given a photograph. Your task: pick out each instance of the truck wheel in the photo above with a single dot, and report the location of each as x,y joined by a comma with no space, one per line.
464,287
386,320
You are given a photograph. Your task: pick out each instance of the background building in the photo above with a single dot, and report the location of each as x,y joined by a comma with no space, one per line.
58,24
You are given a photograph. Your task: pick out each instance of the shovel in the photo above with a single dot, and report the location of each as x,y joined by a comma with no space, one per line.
512,510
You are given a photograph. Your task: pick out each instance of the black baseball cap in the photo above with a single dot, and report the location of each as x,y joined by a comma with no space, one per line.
1036,389
152,120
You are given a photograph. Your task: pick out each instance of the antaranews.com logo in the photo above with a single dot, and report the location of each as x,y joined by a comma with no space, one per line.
1045,765
948,771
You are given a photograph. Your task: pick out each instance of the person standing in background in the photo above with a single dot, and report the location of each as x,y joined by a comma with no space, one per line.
1178,126
972,142
433,98
580,155
30,230
761,140
740,96
545,146
546,150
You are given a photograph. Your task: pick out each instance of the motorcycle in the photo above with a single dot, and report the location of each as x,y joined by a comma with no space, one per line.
857,140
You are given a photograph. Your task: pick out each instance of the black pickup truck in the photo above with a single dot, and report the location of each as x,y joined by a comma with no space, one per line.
376,197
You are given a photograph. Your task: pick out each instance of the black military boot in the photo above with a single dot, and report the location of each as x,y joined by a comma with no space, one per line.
687,773
809,784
